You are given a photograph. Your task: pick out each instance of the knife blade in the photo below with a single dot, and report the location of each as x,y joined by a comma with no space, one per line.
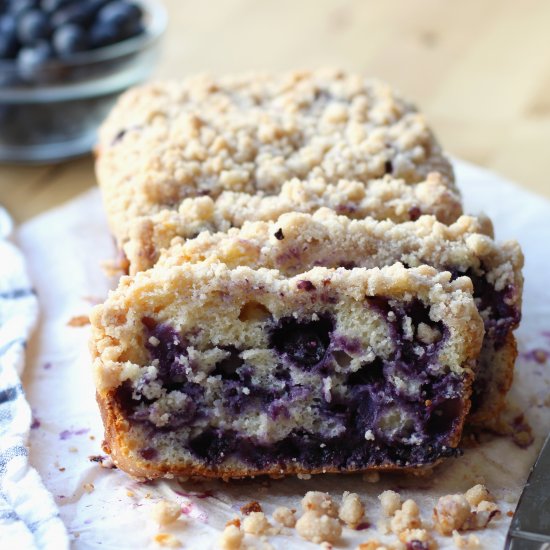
530,527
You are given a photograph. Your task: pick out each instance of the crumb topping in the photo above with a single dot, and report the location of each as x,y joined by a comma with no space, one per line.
351,509
318,528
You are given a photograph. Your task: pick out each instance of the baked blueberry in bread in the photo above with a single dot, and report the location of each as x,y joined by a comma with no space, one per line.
207,153
295,242
204,369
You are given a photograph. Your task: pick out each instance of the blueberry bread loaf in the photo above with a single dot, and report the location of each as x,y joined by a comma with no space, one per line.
165,144
206,370
296,242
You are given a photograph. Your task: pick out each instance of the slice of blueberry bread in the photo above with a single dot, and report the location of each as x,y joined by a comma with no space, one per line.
211,371
385,198
167,142
296,242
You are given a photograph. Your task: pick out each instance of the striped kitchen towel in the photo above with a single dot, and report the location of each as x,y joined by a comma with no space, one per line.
28,515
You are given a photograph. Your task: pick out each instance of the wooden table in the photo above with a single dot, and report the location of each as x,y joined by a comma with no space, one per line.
480,69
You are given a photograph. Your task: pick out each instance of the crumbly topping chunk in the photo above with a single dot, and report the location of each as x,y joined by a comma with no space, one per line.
318,528
284,516
351,510
167,540
320,503
231,538
165,512
465,542
477,494
451,513
256,523
390,501
408,517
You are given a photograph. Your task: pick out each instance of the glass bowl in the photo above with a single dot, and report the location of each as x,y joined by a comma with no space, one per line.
53,114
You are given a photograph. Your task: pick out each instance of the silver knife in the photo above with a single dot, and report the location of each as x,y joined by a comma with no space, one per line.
530,527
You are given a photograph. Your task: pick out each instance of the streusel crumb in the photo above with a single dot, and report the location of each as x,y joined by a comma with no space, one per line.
466,542
320,503
451,512
167,540
256,523
418,538
408,517
284,516
390,501
249,507
351,510
231,538
477,494
165,512
318,528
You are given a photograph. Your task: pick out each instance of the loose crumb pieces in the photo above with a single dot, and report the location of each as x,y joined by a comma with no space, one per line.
408,517
78,321
318,528
473,510
285,516
235,521
320,503
73,449
88,487
130,494
477,494
419,539
231,538
469,542
390,501
252,506
256,523
167,540
451,513
351,510
165,512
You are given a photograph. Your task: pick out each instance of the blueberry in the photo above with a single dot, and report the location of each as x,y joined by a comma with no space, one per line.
8,38
17,7
103,34
305,344
31,58
52,5
122,15
69,39
32,26
80,13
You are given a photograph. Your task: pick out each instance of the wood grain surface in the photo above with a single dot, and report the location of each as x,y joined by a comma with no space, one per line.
479,69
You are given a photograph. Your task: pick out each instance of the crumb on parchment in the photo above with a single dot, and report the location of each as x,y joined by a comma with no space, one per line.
252,506
320,503
408,517
231,538
78,321
165,512
465,542
285,516
318,528
256,523
351,509
390,501
167,540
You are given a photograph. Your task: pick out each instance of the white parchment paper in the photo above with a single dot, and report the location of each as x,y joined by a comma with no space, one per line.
104,508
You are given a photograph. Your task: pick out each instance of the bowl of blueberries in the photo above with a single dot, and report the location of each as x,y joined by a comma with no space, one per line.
63,63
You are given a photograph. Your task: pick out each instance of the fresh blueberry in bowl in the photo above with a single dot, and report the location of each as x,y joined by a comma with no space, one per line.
62,65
